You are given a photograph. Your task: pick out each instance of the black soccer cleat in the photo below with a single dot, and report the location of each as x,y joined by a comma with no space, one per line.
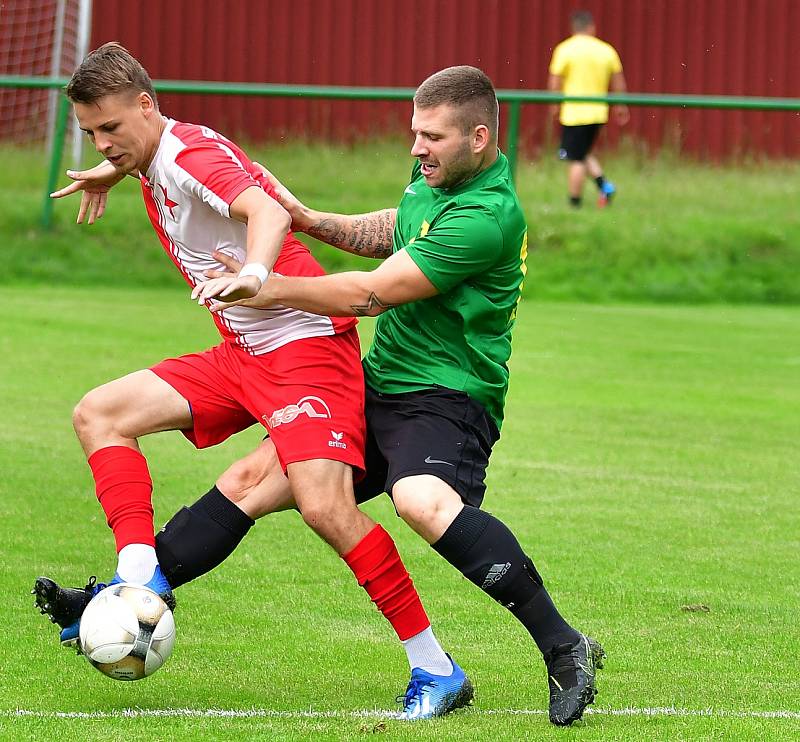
64,605
571,670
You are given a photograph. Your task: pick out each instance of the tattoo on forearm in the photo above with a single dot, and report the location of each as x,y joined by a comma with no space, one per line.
373,233
369,235
372,308
328,230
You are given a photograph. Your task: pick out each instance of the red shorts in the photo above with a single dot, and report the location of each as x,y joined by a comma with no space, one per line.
309,394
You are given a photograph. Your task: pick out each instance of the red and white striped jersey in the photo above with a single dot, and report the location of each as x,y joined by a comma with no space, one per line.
194,177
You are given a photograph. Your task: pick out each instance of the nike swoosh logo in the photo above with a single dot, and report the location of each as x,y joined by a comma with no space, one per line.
410,190
429,460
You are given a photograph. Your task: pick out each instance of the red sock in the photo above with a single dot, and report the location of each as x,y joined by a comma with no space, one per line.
380,571
124,489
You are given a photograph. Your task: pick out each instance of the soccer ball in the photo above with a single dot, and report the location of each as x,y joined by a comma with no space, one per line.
127,631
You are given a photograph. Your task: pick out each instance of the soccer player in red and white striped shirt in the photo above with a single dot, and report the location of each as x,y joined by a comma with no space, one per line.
296,373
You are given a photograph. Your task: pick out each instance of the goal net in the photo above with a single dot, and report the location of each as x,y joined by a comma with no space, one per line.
37,38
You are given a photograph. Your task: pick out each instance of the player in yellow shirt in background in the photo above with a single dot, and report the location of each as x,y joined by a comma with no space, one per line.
585,65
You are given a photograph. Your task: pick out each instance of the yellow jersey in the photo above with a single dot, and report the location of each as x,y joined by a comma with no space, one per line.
586,65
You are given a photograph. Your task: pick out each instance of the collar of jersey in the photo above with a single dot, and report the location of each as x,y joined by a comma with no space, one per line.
151,170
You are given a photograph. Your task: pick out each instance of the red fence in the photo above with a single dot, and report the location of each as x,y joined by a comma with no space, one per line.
714,47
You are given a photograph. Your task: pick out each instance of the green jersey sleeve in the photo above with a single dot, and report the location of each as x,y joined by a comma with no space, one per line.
462,242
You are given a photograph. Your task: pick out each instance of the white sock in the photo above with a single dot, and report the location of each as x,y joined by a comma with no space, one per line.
424,651
136,563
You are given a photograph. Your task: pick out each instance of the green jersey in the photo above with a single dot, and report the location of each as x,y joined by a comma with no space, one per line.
471,244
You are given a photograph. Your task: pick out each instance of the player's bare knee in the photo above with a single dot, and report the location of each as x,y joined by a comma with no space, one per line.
89,414
316,516
413,507
239,479
329,510
319,512
427,504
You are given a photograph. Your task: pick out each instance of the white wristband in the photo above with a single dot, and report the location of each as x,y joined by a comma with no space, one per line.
255,269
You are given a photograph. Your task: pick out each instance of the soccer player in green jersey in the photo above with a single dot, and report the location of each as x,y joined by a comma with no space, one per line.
437,372
446,297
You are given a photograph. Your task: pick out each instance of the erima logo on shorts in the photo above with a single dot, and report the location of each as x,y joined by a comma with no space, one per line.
336,440
311,406
495,573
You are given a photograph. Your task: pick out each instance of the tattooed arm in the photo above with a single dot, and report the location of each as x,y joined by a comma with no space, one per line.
398,280
368,235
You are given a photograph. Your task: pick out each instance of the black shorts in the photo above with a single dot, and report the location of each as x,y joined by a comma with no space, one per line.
434,431
577,141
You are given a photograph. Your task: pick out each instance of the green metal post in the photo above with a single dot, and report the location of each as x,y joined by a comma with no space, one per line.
512,144
55,159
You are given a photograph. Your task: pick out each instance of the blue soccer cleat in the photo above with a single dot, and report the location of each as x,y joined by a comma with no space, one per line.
430,695
158,584
65,605
607,192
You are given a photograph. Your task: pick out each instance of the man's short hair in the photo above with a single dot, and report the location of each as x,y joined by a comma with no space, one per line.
109,70
581,20
470,92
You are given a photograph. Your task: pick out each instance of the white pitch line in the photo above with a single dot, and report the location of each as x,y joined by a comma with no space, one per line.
376,713
710,712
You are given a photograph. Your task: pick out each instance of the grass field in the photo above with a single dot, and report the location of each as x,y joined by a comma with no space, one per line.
679,232
648,463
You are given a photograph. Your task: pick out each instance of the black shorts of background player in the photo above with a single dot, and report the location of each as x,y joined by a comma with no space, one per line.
577,141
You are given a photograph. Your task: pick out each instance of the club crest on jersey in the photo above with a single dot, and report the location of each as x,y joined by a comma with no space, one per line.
310,406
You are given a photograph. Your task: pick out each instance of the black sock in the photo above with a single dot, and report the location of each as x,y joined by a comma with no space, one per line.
600,180
485,551
198,538
575,201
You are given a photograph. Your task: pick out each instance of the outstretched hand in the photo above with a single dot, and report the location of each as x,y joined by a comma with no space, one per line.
95,185
225,286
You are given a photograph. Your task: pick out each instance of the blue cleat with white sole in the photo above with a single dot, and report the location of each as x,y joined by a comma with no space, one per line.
428,696
65,605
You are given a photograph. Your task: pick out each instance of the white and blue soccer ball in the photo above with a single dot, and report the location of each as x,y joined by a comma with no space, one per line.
127,631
